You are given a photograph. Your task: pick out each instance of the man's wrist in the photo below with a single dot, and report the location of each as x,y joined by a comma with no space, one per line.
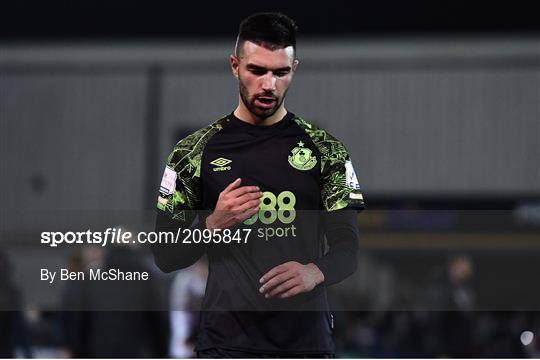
208,222
318,274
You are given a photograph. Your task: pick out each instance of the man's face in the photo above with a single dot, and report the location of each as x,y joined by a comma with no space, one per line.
264,76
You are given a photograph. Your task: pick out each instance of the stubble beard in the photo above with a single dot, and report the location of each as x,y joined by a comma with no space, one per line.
262,114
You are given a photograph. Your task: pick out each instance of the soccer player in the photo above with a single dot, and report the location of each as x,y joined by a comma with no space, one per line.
265,170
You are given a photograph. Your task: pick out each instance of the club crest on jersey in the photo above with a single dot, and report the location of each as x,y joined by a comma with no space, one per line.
301,158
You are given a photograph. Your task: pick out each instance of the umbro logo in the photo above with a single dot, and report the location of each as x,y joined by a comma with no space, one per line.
221,164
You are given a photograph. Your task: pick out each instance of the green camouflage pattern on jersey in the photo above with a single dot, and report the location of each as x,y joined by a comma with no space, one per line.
185,160
335,192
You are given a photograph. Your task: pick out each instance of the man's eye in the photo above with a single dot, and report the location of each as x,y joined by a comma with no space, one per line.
258,71
281,73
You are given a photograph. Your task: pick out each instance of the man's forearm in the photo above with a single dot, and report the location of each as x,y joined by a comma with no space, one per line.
171,257
342,234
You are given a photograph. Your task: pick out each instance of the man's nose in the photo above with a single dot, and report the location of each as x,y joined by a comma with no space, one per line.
269,82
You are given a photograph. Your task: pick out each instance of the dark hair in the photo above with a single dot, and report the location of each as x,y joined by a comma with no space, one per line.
271,29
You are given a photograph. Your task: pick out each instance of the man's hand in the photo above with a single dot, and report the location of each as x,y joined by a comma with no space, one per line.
290,279
235,204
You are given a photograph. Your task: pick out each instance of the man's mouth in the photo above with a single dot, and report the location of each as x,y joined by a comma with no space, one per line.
265,102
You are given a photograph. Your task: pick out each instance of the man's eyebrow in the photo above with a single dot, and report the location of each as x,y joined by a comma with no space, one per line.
257,67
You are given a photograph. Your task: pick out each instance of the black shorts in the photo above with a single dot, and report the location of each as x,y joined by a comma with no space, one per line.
215,353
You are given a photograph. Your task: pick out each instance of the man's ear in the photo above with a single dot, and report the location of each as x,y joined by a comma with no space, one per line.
295,64
234,65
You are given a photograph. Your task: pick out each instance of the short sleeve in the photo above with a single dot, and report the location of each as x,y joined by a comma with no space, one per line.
179,191
340,187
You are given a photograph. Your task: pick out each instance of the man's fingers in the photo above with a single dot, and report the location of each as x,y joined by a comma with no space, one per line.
248,205
248,213
273,272
247,197
280,287
233,217
236,183
292,292
276,281
242,190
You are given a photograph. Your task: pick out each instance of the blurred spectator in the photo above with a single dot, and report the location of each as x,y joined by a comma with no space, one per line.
120,318
450,300
187,292
13,326
70,316
460,273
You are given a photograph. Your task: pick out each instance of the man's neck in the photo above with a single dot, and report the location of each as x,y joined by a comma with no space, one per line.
242,113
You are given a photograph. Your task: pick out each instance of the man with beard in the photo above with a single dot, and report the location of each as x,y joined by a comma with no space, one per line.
268,186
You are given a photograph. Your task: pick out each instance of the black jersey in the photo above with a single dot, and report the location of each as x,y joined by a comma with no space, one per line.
303,172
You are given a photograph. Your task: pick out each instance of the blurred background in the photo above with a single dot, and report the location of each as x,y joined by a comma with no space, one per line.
438,104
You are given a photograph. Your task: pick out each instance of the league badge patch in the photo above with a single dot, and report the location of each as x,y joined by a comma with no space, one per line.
168,182
350,176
